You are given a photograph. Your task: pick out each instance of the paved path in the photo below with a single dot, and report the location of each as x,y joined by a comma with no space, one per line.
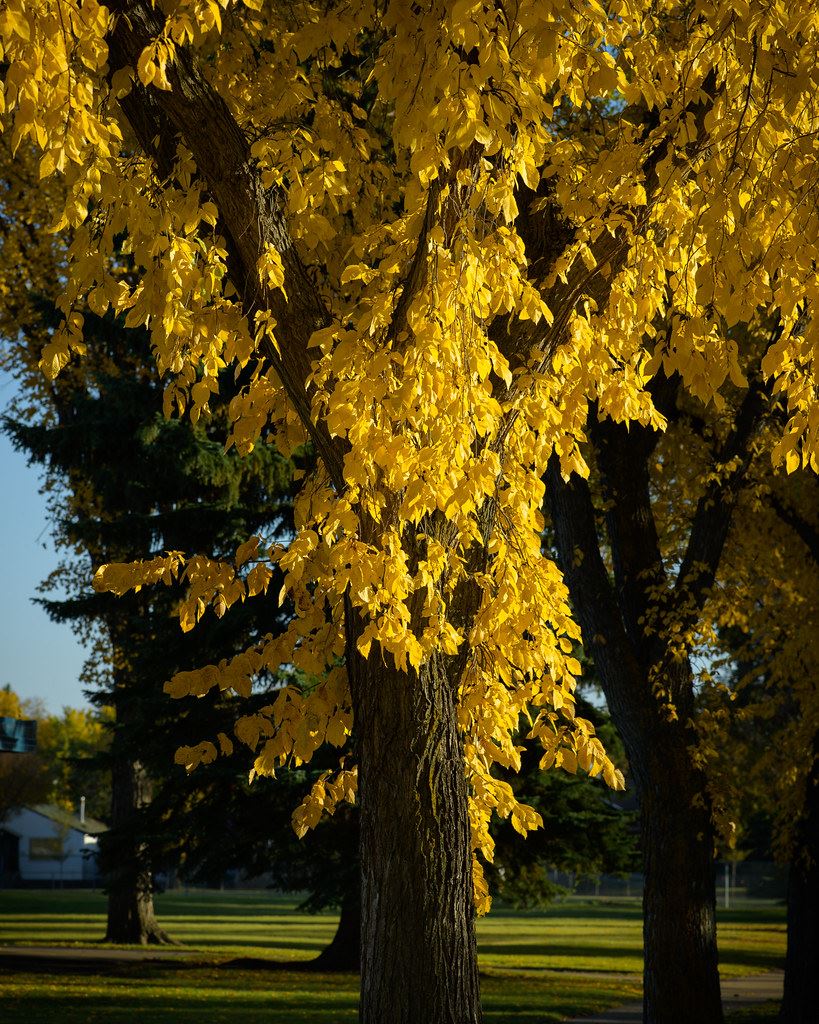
756,988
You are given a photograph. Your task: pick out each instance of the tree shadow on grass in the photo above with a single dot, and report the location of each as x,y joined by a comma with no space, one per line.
173,994
170,994
257,963
231,1009
54,967
563,950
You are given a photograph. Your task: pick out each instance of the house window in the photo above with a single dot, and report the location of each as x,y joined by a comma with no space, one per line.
45,849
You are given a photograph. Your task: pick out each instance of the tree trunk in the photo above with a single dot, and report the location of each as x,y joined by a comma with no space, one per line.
344,952
681,980
680,976
129,880
801,994
680,972
418,950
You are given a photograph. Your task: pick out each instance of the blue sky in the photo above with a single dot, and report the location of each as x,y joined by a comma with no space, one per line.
38,657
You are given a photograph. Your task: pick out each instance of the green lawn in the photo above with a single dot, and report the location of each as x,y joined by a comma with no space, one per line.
177,996
527,959
607,936
761,1013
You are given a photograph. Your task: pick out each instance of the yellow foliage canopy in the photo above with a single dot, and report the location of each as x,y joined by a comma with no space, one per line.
428,237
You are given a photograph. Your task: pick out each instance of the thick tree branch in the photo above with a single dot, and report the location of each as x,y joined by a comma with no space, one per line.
715,509
622,457
250,215
417,275
593,598
639,574
446,200
547,233
807,533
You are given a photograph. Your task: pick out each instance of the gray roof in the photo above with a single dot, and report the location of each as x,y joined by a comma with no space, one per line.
60,816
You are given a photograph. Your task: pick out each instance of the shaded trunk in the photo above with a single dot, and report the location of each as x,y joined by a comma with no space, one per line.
680,973
128,874
680,977
344,952
418,950
681,980
801,992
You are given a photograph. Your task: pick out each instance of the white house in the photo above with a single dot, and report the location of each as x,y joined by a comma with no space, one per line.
47,845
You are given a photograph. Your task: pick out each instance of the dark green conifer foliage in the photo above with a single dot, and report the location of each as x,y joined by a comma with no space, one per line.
126,484
586,830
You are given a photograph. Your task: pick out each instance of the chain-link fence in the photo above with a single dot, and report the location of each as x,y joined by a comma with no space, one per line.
736,880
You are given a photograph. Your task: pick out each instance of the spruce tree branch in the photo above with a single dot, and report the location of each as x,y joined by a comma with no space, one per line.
251,216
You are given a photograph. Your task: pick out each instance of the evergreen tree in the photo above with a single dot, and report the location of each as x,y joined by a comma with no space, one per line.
585,831
254,822
127,484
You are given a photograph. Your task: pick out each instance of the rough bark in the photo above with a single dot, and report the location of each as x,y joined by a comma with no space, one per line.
418,949
631,627
680,978
129,880
801,992
801,989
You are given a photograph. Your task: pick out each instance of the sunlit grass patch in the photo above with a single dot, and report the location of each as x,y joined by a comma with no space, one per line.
575,934
582,935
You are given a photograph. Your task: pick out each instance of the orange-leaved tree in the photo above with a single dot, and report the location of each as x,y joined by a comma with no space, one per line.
426,237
